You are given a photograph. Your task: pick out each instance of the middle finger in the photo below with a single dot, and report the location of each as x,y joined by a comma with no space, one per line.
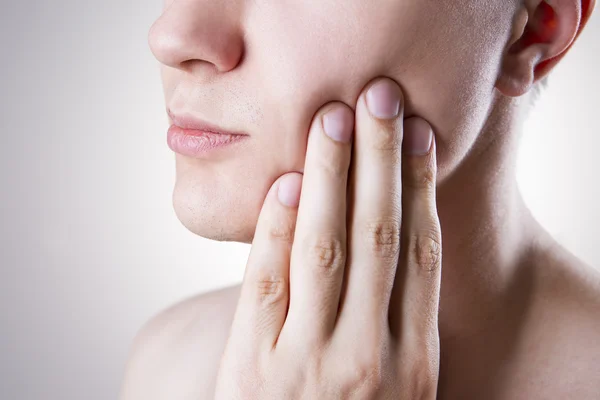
376,207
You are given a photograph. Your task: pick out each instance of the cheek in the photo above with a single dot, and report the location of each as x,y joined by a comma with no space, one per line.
298,65
439,54
326,52
450,81
296,83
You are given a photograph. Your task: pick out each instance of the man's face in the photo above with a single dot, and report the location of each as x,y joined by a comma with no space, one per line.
265,67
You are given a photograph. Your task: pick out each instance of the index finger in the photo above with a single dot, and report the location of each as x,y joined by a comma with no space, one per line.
263,300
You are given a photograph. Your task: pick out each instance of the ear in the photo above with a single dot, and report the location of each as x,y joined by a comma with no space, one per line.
543,32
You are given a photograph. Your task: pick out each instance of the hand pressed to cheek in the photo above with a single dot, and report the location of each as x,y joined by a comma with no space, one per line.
329,291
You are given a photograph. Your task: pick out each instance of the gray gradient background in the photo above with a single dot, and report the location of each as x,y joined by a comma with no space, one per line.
89,245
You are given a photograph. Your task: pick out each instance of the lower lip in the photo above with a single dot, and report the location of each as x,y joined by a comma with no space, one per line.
195,143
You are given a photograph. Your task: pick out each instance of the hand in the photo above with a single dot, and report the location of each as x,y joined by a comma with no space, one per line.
340,294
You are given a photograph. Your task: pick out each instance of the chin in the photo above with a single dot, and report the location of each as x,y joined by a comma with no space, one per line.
216,213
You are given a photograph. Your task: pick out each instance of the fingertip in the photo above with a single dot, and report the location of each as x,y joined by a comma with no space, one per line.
289,189
418,137
338,123
384,98
419,161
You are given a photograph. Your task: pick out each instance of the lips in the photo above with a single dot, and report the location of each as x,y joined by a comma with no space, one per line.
191,123
193,137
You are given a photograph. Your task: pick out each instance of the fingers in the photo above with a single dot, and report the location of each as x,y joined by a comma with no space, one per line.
415,299
263,301
376,193
319,250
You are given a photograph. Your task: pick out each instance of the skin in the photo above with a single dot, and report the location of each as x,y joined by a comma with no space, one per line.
361,321
518,314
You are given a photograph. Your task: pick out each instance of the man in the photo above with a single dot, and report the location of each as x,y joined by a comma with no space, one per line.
518,314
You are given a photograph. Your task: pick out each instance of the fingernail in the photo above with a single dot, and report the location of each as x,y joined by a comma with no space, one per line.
383,99
338,124
417,137
289,190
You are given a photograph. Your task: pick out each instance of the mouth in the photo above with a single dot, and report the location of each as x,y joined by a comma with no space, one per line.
191,123
194,137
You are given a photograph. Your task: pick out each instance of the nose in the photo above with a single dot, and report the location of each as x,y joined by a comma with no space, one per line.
198,33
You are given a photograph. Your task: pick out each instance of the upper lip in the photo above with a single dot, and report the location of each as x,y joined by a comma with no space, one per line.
188,121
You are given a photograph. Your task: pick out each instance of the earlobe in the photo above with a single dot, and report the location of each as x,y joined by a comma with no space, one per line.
518,72
543,32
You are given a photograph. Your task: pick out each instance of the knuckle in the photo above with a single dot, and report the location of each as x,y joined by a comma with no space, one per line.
425,250
244,380
365,376
282,231
314,370
382,238
421,372
333,163
419,174
326,253
424,377
270,289
386,139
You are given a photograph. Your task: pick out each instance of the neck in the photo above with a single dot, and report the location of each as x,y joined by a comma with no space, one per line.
488,232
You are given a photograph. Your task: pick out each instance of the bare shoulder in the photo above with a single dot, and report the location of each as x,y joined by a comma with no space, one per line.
570,285
560,348
176,354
